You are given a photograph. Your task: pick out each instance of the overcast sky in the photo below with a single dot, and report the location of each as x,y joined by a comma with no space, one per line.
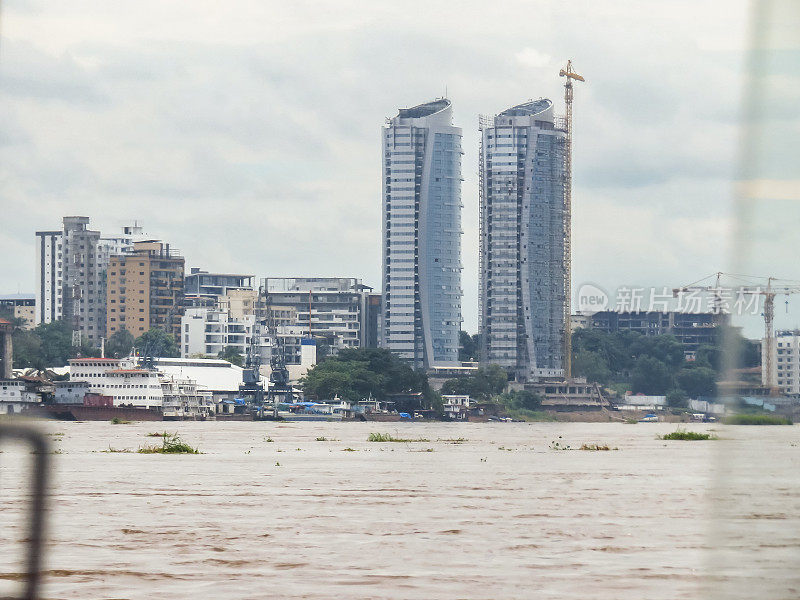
247,133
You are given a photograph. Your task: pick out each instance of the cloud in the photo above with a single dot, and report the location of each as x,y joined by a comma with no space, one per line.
530,57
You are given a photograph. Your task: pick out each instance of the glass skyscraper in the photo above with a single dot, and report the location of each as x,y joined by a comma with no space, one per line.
421,248
522,231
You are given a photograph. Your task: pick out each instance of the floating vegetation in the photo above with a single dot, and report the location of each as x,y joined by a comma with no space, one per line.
171,443
460,440
268,439
423,450
555,445
682,434
118,421
277,464
158,434
55,434
596,447
756,420
349,450
386,437
630,421
117,450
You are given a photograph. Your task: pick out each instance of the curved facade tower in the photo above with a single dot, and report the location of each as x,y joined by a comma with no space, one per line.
421,247
522,254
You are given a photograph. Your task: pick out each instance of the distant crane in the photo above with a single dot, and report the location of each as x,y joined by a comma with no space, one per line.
569,74
771,287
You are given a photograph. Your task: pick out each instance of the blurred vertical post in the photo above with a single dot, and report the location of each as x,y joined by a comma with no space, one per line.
751,554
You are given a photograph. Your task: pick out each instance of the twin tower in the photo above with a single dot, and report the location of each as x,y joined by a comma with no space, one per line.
523,228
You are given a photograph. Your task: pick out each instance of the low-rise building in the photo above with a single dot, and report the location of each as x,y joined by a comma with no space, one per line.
456,406
20,306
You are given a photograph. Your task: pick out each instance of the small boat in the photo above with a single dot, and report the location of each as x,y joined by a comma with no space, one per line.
649,418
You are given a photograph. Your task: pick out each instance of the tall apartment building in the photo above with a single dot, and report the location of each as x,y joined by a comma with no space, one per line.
50,275
785,350
421,250
522,232
145,290
71,266
332,310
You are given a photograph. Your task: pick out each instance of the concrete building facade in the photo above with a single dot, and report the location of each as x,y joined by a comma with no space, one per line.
786,360
20,306
523,225
331,310
50,270
421,249
71,270
208,332
145,290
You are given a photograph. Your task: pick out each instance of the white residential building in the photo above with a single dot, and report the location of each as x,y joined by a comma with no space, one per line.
421,249
207,332
785,360
49,267
456,406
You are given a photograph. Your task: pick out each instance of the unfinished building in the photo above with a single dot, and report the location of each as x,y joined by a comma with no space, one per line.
523,231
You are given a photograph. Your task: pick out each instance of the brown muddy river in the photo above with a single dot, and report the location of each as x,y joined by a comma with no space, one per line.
478,511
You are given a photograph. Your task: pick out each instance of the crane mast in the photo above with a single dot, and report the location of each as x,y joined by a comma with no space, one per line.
569,75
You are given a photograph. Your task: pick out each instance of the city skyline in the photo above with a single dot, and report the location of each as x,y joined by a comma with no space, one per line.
199,148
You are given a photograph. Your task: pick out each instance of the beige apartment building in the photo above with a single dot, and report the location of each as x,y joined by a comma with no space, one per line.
145,290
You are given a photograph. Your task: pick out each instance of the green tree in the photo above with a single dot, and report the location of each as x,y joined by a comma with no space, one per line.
484,384
677,399
469,347
650,376
157,342
698,381
592,365
27,350
356,373
119,344
232,355
56,338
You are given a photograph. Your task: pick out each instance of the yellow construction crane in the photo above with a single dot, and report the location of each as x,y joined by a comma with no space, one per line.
746,285
569,74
